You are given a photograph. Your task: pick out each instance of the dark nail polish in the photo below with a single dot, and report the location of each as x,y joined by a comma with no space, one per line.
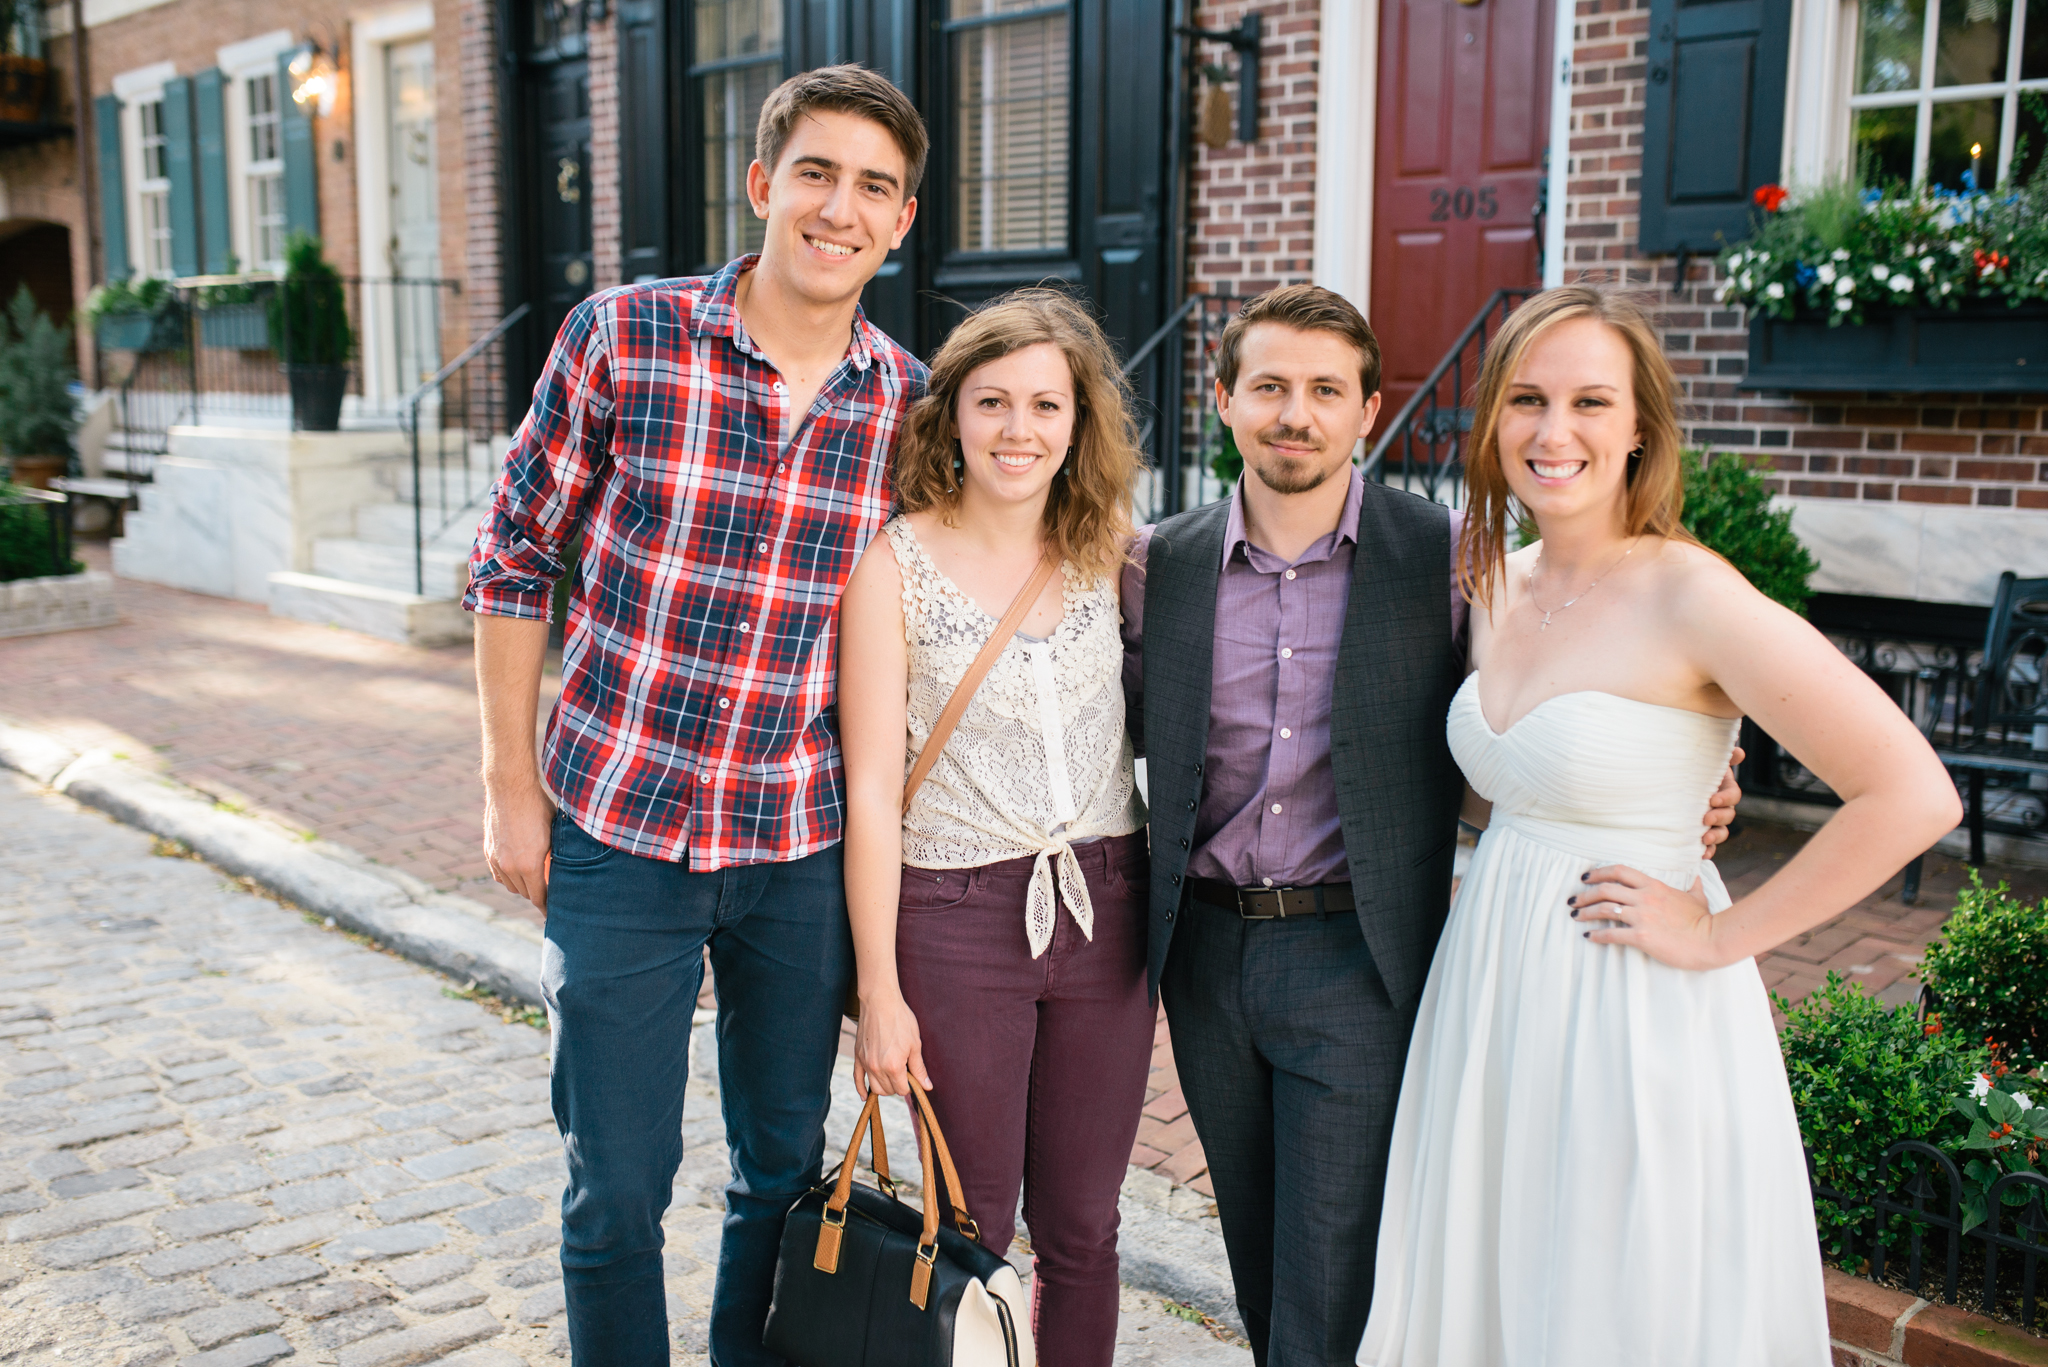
1575,913
1571,901
1586,877
1587,933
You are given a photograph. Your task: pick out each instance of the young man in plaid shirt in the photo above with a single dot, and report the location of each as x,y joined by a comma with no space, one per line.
722,444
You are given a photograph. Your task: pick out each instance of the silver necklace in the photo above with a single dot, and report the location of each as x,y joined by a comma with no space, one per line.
1548,613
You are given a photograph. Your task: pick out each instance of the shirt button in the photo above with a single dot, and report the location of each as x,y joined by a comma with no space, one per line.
781,388
725,702
703,778
1290,574
763,547
744,628
1286,652
1285,734
781,467
1267,881
1276,809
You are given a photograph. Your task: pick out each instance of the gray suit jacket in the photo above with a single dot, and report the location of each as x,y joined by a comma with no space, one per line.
1398,789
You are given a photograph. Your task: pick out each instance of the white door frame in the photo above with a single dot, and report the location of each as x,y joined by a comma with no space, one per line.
371,32
1347,104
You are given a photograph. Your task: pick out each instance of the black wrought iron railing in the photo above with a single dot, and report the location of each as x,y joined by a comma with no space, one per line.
1911,1227
214,350
458,420
1422,447
1171,374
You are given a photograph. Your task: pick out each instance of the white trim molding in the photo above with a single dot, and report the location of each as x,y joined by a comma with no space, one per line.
1347,95
1557,179
253,54
144,80
371,32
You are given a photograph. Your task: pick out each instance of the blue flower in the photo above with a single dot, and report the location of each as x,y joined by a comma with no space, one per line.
1871,196
1804,274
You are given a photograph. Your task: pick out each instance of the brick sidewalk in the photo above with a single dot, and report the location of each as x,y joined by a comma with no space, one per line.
375,746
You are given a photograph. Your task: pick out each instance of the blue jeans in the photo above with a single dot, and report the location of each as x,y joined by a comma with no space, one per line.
621,970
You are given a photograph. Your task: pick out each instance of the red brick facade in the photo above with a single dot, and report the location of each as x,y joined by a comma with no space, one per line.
606,226
1946,449
1253,206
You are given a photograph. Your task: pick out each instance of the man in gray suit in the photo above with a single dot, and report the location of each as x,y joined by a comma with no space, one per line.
1291,654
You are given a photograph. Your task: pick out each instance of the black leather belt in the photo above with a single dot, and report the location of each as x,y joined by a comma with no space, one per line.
1273,904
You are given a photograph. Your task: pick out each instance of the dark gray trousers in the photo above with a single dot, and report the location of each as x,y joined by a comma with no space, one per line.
1290,1056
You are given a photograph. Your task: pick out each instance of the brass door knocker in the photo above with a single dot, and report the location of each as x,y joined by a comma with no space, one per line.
565,180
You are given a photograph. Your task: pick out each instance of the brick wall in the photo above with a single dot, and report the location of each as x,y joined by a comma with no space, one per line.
1253,206
1967,450
483,253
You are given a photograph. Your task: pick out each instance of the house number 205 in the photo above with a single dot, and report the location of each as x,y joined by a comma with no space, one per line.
1444,205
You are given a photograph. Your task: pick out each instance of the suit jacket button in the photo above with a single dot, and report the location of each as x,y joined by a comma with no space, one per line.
1176,883
1198,768
1183,844
1191,804
1169,916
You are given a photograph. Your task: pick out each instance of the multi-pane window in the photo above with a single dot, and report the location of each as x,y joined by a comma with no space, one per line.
1011,74
736,61
154,191
265,172
1949,92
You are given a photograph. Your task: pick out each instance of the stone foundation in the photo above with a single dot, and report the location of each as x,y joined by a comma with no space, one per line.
57,602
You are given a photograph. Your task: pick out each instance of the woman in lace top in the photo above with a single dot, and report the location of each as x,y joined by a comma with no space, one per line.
999,923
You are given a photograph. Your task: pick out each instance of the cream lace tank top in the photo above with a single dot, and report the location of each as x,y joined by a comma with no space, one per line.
1040,759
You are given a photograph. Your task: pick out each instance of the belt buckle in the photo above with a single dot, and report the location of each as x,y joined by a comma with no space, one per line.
1278,901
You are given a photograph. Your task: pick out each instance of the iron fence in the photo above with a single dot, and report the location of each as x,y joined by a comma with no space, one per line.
1171,374
214,351
1917,1200
459,420
1422,447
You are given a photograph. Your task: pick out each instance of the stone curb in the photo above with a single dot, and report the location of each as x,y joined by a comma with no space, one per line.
451,934
1880,1326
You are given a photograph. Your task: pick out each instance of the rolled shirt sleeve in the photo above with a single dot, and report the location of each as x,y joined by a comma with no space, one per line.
557,458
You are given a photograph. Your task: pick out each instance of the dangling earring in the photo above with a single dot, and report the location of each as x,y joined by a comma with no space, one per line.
959,475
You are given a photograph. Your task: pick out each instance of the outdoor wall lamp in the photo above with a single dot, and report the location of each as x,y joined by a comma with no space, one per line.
314,78
1244,40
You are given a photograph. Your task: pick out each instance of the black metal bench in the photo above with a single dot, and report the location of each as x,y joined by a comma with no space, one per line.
1997,722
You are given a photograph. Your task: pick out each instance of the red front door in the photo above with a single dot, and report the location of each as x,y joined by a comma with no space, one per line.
1464,115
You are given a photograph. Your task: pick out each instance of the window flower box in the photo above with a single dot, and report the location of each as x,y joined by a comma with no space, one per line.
24,81
137,331
1982,347
243,327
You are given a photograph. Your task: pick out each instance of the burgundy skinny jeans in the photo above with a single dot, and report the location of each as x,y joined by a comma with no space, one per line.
1038,1069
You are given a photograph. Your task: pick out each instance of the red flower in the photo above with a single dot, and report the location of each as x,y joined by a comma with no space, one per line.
1771,197
1933,1026
1987,262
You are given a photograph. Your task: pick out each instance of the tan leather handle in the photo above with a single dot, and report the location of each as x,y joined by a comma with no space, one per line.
956,706
831,1231
955,1194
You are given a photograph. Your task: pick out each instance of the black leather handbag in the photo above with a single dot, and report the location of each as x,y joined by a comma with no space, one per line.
864,1280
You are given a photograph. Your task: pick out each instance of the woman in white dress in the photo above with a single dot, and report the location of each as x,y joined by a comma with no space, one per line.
1595,1159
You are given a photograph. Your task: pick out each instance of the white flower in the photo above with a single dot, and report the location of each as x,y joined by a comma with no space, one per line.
1902,283
1927,265
1763,256
1774,290
1747,281
2026,1102
1980,1086
1946,287
1840,254
1880,272
1844,305
1826,273
1845,285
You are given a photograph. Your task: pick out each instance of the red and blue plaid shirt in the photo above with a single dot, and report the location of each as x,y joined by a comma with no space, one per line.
697,717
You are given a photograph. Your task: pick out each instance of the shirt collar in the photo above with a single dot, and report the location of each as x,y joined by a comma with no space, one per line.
1347,521
718,315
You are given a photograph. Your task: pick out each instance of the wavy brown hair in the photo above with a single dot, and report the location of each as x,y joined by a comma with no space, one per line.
1656,472
1088,509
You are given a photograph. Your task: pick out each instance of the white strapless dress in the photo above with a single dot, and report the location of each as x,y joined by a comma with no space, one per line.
1595,1161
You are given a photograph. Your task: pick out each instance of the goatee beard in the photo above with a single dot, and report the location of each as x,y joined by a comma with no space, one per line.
1291,476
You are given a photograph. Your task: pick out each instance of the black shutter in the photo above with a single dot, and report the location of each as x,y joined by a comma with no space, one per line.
1715,121
210,120
106,117
644,172
184,176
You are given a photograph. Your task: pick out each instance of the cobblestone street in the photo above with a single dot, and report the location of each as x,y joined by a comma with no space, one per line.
232,1136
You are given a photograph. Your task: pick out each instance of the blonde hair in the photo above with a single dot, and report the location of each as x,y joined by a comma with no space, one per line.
1088,509
1656,474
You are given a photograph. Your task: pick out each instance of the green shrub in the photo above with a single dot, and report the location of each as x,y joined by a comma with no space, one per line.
1989,972
25,540
147,295
37,415
1864,1076
309,312
1728,507
2009,1132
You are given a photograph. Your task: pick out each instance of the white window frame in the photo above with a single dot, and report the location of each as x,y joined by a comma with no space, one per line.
240,63
1823,102
135,89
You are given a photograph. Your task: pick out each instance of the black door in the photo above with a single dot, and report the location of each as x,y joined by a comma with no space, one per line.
551,177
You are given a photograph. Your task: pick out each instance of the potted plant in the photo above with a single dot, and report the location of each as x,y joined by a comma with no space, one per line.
24,80
309,326
37,415
231,315
138,315
1921,290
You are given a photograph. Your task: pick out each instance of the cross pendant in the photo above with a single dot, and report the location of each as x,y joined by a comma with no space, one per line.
1544,625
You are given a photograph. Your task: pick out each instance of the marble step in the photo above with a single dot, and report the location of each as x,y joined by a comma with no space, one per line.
390,614
391,524
391,567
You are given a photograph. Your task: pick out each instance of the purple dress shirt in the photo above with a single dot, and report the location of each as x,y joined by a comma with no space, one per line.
1269,802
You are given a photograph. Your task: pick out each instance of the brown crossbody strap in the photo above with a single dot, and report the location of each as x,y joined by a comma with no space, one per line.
1013,617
